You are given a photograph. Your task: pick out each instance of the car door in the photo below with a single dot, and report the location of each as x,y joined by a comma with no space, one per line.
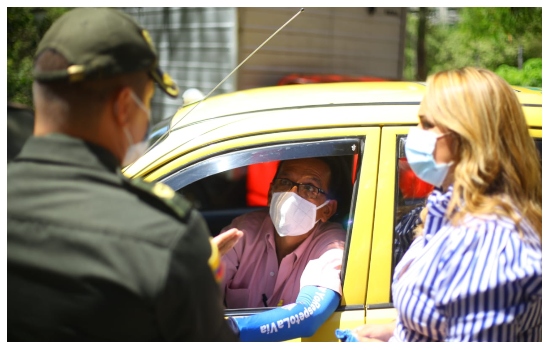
399,193
209,178
400,197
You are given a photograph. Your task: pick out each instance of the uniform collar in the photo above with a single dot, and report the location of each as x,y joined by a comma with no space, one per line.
65,149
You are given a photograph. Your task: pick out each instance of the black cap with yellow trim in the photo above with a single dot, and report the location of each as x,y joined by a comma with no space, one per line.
100,43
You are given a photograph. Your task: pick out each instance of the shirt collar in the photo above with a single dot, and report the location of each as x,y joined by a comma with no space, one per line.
75,152
437,204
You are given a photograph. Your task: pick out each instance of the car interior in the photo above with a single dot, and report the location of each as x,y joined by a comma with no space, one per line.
227,185
223,196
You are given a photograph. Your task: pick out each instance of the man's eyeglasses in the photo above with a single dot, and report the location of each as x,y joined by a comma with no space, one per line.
304,190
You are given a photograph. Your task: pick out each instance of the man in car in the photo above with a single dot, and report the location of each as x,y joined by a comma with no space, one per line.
290,256
92,255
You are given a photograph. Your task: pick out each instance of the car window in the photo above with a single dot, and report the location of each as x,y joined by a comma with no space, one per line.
225,186
158,131
538,143
411,194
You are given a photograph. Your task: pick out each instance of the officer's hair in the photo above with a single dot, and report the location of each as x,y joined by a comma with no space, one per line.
85,98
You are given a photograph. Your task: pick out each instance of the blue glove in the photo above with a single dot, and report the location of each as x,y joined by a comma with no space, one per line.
345,335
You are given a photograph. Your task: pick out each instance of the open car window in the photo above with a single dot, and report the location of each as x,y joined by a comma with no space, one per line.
221,186
411,194
538,143
227,185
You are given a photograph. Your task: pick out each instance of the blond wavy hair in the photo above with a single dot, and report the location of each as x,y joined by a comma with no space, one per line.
498,168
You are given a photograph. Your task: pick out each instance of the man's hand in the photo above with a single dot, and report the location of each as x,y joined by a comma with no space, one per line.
226,240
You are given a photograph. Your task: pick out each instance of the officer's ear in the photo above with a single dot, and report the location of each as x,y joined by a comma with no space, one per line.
122,106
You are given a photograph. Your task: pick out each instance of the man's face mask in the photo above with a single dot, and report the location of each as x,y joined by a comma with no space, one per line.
291,214
136,150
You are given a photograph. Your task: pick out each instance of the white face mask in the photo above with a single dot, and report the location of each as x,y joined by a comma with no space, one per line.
291,214
136,150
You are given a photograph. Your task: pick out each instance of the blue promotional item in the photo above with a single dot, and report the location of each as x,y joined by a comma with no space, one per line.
312,308
345,335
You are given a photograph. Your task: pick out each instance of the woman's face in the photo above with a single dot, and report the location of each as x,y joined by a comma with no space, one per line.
443,152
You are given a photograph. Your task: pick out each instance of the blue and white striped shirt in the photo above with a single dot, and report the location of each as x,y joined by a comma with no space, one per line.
478,281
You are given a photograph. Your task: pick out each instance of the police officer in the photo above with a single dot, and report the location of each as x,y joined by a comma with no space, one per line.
92,255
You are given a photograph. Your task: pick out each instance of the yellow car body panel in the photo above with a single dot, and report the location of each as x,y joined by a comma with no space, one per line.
356,272
264,123
378,113
379,282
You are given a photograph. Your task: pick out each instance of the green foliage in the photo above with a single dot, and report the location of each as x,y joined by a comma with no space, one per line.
409,69
20,80
530,75
26,25
515,22
484,37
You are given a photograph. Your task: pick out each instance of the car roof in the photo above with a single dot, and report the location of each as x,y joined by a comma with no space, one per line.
309,106
296,96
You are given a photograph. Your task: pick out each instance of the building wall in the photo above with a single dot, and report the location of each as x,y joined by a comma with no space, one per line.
348,41
197,47
200,46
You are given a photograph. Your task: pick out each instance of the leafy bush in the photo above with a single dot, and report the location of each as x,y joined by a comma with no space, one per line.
532,72
530,75
26,26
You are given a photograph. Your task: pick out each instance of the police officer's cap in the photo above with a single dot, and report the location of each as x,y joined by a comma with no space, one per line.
100,43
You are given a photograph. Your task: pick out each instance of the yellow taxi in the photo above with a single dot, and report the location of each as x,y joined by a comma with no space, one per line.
220,152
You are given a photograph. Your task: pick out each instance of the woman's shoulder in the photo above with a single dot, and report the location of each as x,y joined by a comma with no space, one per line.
492,241
500,227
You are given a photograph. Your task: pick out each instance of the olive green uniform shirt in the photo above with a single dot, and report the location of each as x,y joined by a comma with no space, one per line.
94,256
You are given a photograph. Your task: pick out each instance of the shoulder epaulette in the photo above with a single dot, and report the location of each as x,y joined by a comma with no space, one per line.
165,194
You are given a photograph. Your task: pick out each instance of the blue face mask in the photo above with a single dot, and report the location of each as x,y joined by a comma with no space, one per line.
419,149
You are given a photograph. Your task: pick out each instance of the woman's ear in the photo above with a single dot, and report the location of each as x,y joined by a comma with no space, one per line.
455,147
328,210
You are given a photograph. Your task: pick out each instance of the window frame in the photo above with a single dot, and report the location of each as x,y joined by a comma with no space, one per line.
253,154
262,153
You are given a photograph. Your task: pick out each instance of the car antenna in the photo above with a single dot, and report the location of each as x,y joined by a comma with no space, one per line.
234,70
224,79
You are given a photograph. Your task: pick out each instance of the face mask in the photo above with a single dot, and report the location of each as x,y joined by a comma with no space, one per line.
136,150
419,149
291,214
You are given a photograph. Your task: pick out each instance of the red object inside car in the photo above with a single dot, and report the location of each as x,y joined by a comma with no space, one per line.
410,185
323,78
260,175
257,182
